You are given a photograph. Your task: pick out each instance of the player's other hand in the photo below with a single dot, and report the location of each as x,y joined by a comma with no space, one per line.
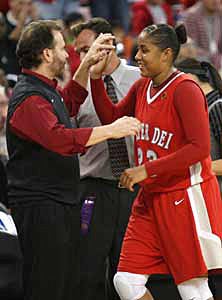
124,126
132,176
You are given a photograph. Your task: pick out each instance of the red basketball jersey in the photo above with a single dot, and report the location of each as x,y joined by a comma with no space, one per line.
162,134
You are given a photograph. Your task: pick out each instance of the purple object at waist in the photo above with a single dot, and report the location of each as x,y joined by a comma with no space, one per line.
86,214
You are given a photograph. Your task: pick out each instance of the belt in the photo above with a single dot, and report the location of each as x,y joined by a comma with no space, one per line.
113,183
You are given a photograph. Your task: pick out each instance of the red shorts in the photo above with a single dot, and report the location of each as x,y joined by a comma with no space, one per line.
176,233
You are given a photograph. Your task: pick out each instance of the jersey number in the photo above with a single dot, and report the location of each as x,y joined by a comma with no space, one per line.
150,155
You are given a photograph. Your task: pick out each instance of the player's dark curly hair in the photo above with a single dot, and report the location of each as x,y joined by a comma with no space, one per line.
35,37
165,36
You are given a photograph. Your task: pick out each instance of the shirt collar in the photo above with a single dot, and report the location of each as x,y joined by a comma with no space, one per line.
119,72
52,83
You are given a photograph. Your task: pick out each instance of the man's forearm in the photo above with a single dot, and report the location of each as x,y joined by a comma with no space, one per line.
99,134
82,74
122,127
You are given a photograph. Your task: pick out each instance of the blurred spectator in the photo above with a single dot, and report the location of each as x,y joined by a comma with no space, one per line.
20,13
147,12
3,186
4,83
4,50
123,44
177,11
3,80
3,114
188,3
2,25
73,59
132,60
203,22
56,9
10,254
112,11
4,6
70,20
85,9
187,50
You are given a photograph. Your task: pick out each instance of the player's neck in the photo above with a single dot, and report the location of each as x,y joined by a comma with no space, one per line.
163,76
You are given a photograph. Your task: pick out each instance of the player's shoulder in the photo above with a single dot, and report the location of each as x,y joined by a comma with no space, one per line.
181,76
183,79
188,88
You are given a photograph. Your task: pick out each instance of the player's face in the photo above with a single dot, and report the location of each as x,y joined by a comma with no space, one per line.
148,57
59,55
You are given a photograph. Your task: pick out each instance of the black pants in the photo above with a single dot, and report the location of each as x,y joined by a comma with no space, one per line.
102,244
49,237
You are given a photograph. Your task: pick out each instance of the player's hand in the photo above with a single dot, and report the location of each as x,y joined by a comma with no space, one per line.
132,176
99,50
97,70
124,126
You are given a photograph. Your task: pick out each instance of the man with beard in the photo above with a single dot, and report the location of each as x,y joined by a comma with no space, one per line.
43,169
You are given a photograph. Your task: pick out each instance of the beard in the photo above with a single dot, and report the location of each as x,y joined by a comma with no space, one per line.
58,67
59,72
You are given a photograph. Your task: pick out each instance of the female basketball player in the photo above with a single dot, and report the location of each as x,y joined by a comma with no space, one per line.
175,225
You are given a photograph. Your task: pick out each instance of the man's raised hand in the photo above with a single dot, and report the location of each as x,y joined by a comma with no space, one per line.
99,50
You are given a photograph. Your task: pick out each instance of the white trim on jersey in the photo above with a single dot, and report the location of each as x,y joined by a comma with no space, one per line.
151,99
210,243
195,173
